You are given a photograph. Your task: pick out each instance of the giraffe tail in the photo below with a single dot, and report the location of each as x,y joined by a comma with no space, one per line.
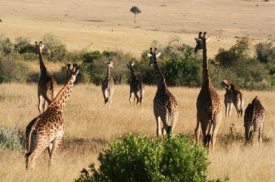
29,131
173,117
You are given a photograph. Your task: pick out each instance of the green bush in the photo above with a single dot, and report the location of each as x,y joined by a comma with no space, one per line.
5,45
55,49
265,52
178,64
94,66
11,139
235,54
182,68
13,71
144,159
23,45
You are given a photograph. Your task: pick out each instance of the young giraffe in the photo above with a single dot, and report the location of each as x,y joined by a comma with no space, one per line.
108,85
209,110
46,130
165,105
254,120
46,84
232,96
70,70
136,86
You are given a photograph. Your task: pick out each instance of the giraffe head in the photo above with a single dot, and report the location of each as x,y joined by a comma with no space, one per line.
74,74
71,69
225,84
39,46
130,64
200,41
110,64
153,56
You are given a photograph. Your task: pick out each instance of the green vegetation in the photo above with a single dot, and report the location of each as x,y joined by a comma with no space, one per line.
179,64
144,159
11,139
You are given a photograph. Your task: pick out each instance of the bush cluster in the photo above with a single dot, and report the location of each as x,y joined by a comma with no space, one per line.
144,159
11,139
13,71
238,66
180,66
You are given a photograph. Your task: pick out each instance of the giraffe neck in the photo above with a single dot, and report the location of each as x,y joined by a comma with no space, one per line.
63,95
108,72
205,72
132,73
159,78
43,69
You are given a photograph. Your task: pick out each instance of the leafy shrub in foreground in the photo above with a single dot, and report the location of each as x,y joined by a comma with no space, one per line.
11,139
144,159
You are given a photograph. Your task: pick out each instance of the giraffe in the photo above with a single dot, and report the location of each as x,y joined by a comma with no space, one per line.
46,84
254,120
165,105
108,85
232,96
136,86
209,110
46,130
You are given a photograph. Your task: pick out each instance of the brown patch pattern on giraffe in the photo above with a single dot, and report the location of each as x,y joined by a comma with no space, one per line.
234,97
46,84
254,120
166,108
46,130
209,110
108,85
136,86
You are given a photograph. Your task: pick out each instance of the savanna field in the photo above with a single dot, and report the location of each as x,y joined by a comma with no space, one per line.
241,49
90,126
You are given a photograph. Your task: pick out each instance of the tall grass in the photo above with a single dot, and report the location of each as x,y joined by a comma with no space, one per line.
90,126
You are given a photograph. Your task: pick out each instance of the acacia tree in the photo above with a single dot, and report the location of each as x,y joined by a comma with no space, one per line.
135,10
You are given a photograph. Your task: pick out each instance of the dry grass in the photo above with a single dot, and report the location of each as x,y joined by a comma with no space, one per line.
89,126
108,24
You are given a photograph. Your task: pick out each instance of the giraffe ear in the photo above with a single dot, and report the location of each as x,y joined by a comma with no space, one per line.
158,55
133,64
76,73
149,55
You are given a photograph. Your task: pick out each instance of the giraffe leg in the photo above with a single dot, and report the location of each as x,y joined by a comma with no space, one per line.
55,145
260,137
230,108
130,98
31,157
158,132
226,109
197,131
204,126
136,97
